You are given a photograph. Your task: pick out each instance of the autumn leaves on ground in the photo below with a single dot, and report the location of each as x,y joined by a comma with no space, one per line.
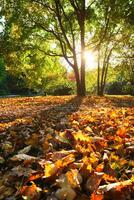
67,148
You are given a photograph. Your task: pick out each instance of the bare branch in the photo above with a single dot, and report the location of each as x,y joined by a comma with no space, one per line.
61,25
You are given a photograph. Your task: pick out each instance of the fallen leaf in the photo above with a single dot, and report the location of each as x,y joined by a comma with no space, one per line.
95,196
25,150
23,157
30,191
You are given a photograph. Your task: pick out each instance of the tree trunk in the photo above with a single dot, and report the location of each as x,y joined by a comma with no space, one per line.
82,30
78,83
98,75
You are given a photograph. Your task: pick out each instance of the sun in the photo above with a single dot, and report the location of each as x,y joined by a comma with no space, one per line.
90,60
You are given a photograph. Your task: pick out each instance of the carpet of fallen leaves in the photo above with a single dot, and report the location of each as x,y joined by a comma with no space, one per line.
67,148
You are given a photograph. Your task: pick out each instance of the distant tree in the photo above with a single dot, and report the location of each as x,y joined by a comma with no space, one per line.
110,31
3,76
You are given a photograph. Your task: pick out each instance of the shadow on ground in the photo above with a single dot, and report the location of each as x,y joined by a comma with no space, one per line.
109,101
57,116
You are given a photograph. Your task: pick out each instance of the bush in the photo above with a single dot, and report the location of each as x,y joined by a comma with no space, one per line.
128,89
4,91
62,90
120,88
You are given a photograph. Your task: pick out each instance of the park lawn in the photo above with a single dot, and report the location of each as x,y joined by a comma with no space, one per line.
67,148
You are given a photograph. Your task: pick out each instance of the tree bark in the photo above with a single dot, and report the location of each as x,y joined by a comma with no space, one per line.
82,34
78,82
98,75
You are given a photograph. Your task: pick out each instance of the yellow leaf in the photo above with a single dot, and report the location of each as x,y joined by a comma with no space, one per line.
131,163
132,178
114,157
74,178
50,169
89,167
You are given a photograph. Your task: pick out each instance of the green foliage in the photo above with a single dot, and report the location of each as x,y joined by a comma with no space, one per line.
91,81
120,88
10,84
2,71
43,74
120,80
3,76
16,85
61,90
37,33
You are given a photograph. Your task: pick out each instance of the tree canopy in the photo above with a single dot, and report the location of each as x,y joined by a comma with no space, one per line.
37,34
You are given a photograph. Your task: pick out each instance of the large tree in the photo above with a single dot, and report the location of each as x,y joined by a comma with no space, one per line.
64,23
64,28
61,23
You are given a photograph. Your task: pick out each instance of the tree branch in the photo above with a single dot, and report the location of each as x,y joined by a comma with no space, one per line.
61,25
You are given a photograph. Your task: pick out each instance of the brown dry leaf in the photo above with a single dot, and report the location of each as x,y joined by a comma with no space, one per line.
94,181
46,144
25,150
114,186
68,159
33,140
7,147
60,154
82,197
23,157
65,193
2,160
22,171
6,192
108,170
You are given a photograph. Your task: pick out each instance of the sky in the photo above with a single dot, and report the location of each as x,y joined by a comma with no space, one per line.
1,24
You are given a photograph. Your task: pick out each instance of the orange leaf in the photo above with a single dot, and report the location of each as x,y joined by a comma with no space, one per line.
121,132
35,176
95,196
110,178
30,191
100,167
74,178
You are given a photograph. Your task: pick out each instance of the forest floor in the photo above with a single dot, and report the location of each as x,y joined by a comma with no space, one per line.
56,148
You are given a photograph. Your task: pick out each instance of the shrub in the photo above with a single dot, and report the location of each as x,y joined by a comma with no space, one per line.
62,90
120,88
